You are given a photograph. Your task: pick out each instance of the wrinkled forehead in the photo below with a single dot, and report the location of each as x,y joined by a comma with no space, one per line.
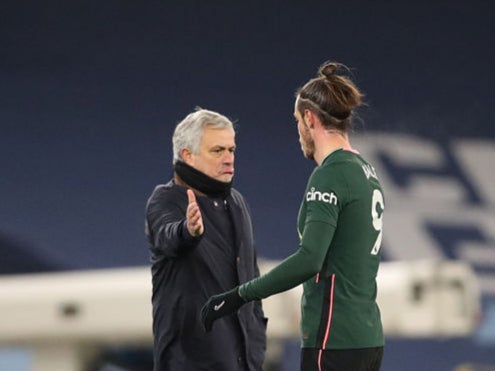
212,136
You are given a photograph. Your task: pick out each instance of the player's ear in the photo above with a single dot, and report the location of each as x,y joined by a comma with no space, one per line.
309,118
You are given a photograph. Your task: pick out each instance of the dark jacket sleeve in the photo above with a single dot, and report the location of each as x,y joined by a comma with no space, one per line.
166,223
251,316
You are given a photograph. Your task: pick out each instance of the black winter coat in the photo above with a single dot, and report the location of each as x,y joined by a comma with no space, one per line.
186,271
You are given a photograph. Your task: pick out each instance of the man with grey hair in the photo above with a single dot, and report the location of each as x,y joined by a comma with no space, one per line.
201,242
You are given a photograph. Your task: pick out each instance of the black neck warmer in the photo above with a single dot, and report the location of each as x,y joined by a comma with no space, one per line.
202,182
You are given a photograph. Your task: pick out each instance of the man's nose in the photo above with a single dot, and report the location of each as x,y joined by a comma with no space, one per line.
229,157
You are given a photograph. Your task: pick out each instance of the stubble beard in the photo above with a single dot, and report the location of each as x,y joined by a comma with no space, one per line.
307,145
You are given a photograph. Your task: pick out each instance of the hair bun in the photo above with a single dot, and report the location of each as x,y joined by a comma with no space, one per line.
328,69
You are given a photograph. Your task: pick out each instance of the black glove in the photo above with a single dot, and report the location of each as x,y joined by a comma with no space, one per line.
219,306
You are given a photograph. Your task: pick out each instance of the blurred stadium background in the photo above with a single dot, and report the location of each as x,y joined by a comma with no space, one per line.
91,91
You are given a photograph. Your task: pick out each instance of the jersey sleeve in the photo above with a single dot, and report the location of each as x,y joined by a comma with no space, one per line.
297,268
325,195
322,201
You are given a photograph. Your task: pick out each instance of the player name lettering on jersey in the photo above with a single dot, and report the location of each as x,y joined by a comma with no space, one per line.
369,171
314,195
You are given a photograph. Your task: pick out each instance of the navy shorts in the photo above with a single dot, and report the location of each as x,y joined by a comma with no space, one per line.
365,359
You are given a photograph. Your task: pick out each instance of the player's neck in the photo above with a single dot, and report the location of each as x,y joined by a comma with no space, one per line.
328,143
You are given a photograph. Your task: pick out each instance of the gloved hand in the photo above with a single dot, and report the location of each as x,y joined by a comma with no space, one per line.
219,306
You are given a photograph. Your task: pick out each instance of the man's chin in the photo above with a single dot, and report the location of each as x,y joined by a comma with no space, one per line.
225,178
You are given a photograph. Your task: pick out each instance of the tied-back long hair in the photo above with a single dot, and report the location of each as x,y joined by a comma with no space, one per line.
332,96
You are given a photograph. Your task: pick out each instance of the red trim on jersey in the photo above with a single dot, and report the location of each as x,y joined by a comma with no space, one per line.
317,278
330,311
320,353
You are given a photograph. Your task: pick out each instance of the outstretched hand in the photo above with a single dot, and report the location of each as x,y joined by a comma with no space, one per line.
219,306
193,215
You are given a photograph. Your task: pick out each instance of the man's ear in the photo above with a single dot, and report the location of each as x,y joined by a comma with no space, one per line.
186,156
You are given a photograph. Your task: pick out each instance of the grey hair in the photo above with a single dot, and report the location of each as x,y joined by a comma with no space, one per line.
189,131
